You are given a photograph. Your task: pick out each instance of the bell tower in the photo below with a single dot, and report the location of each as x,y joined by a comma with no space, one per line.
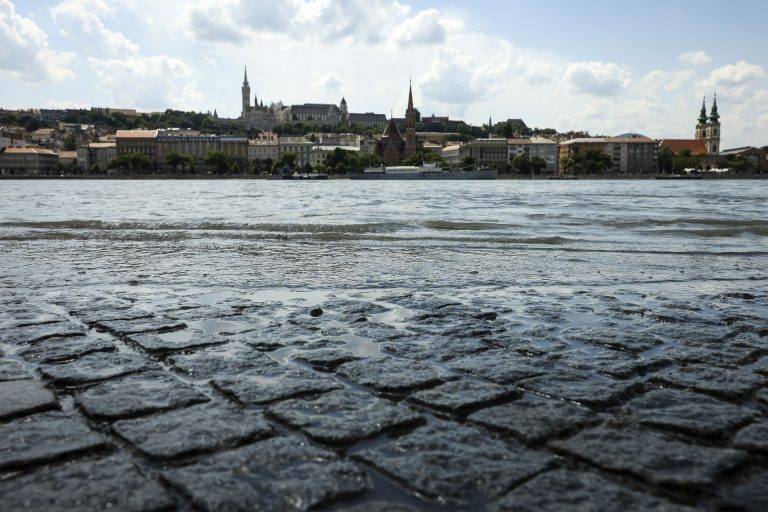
708,127
246,94
410,126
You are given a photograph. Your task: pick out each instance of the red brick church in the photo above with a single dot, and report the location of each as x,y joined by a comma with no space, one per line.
392,148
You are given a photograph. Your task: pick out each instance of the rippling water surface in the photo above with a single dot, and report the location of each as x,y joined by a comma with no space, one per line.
346,235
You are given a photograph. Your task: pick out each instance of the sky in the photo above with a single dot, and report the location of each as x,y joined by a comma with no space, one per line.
607,67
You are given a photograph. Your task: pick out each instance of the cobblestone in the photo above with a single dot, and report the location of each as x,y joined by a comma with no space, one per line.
535,420
456,464
582,387
44,438
343,417
196,429
578,492
175,340
652,456
393,375
21,397
95,367
136,395
462,396
12,370
105,484
277,474
729,384
693,413
38,332
58,350
753,438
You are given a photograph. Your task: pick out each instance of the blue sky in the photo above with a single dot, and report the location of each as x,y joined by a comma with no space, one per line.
606,67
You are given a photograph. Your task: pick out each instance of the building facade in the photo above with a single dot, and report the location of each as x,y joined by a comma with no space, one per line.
137,141
628,155
28,161
486,152
255,116
97,154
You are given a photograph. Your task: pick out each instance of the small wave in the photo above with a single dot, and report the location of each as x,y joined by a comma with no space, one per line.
732,223
712,233
447,225
380,227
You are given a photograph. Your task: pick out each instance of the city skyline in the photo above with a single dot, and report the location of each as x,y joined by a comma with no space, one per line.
640,70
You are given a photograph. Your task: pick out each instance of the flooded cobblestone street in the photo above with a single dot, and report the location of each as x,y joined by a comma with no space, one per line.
214,368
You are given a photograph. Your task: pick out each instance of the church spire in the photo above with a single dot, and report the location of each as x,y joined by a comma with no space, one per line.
245,76
713,115
703,113
410,95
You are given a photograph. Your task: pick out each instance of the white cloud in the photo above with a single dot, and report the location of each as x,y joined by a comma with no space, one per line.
736,75
81,21
149,83
24,50
327,83
216,25
698,58
427,27
597,78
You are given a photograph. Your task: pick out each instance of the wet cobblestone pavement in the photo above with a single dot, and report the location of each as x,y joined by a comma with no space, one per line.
384,400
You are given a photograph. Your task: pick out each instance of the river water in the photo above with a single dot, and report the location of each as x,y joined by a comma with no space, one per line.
342,234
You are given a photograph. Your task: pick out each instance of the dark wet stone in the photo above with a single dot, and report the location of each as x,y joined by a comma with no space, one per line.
326,359
583,387
27,318
437,349
125,313
379,506
724,355
762,396
272,383
54,350
198,313
454,463
753,438
577,492
393,375
750,494
344,417
534,421
688,412
633,342
761,366
126,327
315,312
729,384
39,332
12,370
499,366
95,367
464,395
92,485
43,438
137,395
195,429
353,307
172,341
609,362
225,361
651,456
285,474
22,397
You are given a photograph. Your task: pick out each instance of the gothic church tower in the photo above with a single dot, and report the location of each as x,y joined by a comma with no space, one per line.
708,128
410,126
246,94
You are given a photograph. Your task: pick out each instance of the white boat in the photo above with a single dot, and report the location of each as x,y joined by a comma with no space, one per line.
425,172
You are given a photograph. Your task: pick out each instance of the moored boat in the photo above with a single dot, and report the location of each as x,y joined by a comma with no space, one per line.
425,172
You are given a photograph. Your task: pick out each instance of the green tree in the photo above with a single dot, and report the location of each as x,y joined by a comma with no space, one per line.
538,164
176,160
684,160
467,161
134,162
217,160
286,161
235,169
665,159
597,162
522,164
95,169
70,142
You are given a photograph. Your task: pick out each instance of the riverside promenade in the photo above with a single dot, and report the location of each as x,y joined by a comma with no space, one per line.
378,401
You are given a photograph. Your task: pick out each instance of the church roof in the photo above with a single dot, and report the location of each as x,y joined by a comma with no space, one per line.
391,131
696,147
